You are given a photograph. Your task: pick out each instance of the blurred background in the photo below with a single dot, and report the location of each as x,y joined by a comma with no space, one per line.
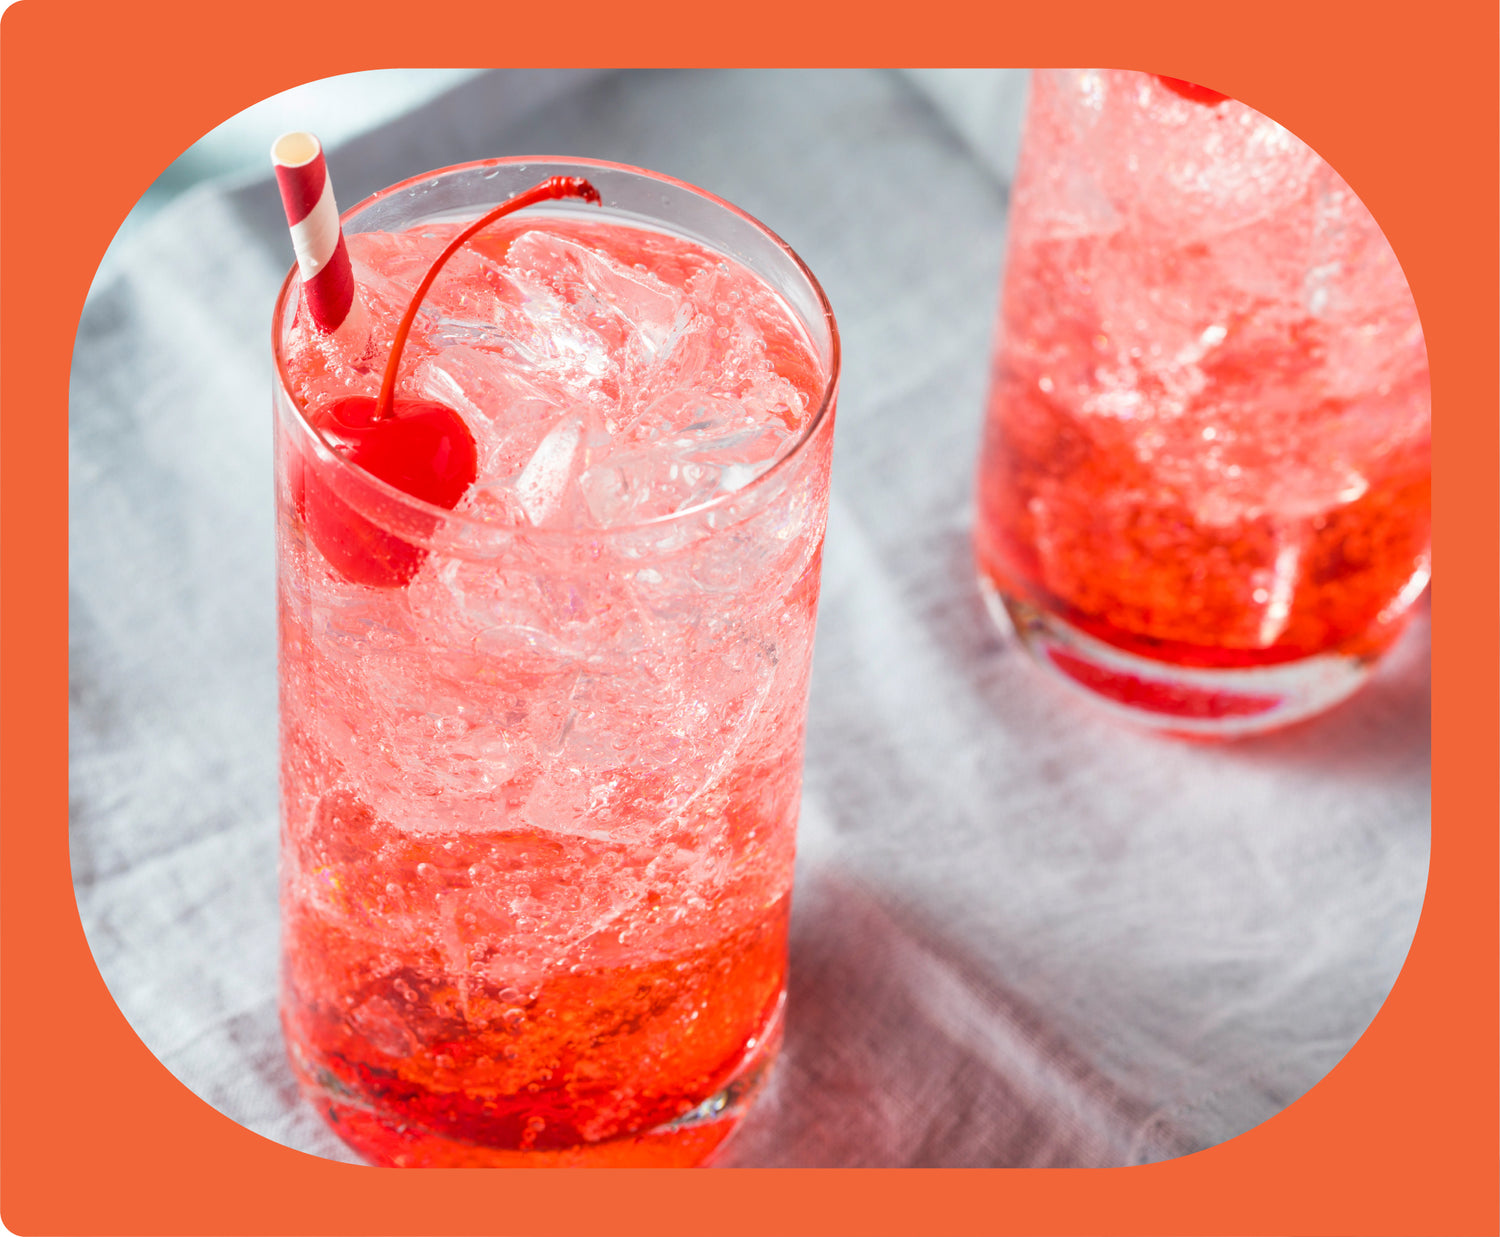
339,108
335,108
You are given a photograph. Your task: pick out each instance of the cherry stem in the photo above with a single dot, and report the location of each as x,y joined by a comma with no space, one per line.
552,187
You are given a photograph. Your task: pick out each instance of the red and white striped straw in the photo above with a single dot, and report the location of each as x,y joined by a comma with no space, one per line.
327,275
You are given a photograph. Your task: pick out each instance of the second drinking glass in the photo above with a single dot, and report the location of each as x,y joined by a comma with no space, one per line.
1205,489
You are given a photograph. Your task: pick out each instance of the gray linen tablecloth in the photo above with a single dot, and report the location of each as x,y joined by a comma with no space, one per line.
1023,934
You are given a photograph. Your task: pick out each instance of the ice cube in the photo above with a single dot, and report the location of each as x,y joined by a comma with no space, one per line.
616,489
542,339
484,385
635,312
543,483
496,504
683,361
633,486
691,447
682,411
509,413
472,290
389,265
758,443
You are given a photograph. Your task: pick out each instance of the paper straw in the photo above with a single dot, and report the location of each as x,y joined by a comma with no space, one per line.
323,260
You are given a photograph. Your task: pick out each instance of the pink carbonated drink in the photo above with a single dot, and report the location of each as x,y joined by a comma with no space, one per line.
541,752
1205,488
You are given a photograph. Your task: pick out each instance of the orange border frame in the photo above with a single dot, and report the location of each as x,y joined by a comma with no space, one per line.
96,98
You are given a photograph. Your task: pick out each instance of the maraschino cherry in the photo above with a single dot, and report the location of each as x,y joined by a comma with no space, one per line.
419,446
1191,91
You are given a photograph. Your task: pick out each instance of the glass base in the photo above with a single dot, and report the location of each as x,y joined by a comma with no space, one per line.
1179,700
686,1142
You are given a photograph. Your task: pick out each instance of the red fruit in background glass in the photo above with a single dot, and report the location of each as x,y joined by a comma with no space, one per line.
1191,91
420,447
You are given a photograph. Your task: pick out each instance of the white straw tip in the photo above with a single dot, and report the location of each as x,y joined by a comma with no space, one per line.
294,150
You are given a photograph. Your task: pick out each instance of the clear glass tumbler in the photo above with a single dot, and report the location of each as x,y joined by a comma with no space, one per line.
541,753
1204,492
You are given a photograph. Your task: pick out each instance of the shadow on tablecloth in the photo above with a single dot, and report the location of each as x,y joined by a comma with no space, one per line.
900,1051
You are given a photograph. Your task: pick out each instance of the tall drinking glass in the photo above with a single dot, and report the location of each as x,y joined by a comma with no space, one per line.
1204,493
541,753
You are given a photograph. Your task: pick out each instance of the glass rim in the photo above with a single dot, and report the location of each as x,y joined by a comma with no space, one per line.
461,519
